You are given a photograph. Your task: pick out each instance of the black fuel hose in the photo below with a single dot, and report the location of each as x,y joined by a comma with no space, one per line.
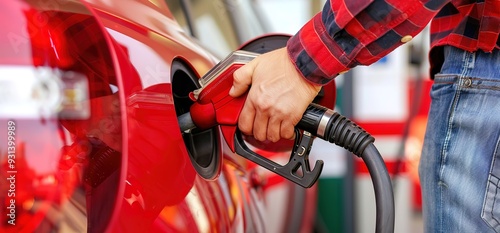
384,197
335,128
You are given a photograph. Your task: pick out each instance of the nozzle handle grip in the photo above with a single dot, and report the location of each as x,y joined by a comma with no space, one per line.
296,170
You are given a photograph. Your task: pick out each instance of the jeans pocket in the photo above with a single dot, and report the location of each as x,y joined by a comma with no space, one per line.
491,204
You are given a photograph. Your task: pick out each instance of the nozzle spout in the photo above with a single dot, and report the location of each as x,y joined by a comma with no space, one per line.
186,122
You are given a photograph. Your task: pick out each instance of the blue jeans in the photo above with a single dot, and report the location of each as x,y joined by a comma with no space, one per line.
460,164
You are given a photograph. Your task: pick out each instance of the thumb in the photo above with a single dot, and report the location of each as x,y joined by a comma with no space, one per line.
242,78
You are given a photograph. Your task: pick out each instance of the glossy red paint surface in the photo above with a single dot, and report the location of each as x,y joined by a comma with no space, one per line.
124,166
48,159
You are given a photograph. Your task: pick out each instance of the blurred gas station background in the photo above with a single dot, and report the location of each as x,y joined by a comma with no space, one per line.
389,99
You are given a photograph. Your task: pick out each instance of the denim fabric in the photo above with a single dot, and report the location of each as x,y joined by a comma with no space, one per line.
460,164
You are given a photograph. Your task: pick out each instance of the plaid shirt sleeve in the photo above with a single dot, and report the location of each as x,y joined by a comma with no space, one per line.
350,33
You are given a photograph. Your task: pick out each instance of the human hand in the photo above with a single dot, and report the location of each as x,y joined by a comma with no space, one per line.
277,98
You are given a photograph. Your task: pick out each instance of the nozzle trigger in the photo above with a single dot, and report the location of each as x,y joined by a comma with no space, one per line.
296,170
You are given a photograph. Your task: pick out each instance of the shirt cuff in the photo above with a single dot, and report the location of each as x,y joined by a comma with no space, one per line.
310,55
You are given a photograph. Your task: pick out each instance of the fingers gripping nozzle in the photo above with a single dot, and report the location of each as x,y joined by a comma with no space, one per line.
214,106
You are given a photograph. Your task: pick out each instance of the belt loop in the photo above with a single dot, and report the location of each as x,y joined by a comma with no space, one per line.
470,60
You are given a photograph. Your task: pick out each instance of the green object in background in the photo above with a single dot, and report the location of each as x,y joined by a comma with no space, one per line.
331,205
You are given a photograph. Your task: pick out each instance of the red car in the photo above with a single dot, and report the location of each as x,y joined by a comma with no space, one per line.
90,92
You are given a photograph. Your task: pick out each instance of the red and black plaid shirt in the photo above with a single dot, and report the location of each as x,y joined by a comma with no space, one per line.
350,33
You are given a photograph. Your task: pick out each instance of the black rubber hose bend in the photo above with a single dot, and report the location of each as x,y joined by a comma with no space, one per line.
384,197
335,128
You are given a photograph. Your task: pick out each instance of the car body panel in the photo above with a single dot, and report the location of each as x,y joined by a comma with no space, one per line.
153,186
137,173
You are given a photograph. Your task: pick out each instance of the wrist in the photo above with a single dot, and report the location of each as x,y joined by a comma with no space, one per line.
315,86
